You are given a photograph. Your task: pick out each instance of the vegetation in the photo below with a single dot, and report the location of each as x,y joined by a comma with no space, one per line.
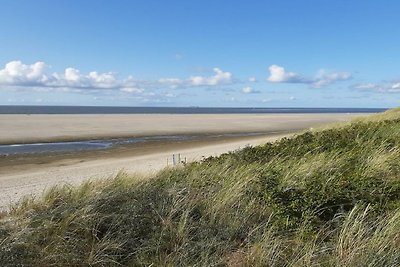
328,197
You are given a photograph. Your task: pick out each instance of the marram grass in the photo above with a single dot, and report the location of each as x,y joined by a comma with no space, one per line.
327,197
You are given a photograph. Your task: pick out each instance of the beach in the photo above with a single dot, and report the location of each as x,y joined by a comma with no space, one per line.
32,174
48,128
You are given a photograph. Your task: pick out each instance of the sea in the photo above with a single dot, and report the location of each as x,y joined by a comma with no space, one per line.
173,110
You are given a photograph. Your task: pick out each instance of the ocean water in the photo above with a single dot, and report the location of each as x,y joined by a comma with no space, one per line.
172,110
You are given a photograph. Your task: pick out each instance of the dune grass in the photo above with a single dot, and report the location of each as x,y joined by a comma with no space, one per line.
327,197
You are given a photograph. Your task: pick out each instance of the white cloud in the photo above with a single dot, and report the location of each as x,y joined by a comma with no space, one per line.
249,90
17,75
73,78
278,74
389,87
171,82
132,90
15,72
252,79
220,77
396,86
325,78
37,76
72,75
105,79
365,86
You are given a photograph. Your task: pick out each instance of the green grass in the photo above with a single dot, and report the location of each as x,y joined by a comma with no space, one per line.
327,197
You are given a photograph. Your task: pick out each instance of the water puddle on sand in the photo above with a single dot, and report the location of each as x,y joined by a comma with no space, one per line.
16,149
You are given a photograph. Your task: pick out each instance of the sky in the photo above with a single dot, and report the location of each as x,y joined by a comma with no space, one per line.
309,53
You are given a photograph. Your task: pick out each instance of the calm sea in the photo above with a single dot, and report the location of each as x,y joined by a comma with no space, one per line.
171,110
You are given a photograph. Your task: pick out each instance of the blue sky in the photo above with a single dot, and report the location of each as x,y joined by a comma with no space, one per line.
310,53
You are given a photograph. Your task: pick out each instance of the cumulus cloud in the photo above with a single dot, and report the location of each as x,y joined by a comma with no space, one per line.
278,74
15,72
94,80
325,78
395,86
249,90
37,76
389,87
220,77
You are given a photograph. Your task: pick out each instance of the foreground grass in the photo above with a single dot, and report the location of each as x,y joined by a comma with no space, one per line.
323,198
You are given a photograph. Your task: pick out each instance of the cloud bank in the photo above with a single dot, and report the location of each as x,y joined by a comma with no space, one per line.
38,76
389,87
220,77
278,74
16,73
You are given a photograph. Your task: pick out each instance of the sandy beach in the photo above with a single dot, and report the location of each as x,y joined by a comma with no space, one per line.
24,175
47,128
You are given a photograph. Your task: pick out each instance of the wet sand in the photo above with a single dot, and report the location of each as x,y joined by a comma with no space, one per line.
22,175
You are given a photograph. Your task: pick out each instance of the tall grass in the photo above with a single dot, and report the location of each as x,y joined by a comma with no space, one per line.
323,198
